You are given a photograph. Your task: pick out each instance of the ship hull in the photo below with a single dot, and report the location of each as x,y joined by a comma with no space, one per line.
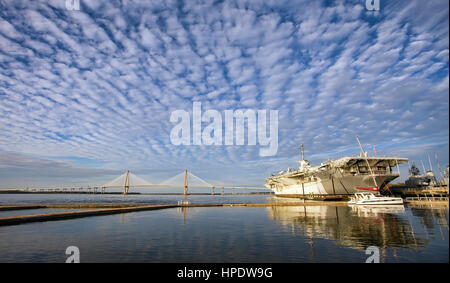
342,185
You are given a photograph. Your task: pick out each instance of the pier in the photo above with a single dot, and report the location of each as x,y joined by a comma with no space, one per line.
431,192
108,209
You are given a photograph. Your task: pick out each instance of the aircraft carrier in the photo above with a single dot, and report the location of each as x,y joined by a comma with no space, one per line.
343,176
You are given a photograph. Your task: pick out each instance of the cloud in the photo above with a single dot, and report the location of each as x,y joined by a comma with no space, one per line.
23,170
101,83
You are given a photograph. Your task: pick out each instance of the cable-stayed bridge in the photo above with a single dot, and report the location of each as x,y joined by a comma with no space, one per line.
129,180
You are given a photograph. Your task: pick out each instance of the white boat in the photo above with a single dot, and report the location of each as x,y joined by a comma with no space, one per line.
367,198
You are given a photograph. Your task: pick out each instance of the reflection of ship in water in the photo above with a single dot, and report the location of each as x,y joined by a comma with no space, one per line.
431,217
369,211
357,227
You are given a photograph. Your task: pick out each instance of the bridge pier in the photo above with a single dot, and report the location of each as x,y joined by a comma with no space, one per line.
212,191
185,183
232,191
223,191
126,185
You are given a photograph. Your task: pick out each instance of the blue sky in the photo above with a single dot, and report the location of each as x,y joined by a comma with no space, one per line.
85,95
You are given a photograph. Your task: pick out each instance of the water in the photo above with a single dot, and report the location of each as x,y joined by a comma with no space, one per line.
118,199
324,233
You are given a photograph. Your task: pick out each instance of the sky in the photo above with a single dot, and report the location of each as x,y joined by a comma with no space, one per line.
88,94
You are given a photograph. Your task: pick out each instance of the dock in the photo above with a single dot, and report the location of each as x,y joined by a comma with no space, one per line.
19,207
108,209
431,192
12,220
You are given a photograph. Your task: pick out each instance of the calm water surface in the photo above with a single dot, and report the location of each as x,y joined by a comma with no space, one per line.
228,234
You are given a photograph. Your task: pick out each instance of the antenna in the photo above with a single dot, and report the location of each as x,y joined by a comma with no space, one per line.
439,166
423,166
429,160
360,146
301,151
367,161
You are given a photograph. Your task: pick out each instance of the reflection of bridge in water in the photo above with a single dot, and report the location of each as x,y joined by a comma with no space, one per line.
129,180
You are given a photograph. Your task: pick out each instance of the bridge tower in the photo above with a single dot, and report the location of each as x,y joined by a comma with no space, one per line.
185,183
126,185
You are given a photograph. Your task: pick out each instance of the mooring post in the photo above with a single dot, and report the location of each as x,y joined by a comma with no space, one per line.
185,183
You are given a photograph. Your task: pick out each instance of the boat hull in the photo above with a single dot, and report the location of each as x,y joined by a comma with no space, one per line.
327,185
381,203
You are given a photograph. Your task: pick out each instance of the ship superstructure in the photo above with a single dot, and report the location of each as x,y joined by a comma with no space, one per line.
417,180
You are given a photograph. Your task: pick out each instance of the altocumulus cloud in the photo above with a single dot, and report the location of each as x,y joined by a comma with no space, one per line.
100,83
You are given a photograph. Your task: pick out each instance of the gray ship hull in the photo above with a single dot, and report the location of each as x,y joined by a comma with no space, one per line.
329,185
